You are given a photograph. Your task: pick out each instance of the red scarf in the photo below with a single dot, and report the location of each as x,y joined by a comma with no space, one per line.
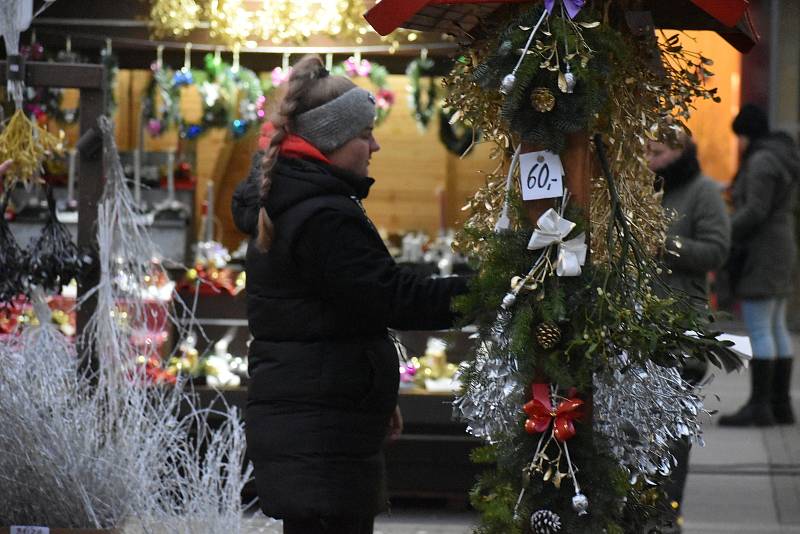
293,146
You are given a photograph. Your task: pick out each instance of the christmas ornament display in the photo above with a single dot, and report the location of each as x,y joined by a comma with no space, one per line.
587,323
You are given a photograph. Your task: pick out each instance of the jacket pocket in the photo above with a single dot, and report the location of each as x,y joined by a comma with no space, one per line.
382,396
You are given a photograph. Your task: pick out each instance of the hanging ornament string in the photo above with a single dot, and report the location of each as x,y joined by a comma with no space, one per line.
510,79
504,223
566,80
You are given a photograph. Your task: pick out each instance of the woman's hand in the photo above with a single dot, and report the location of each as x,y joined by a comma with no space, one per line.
395,424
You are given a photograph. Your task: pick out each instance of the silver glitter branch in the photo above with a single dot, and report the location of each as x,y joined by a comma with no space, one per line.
112,451
642,411
490,401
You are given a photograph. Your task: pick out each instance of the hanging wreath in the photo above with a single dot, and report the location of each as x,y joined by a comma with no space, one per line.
111,64
161,102
421,111
44,103
454,135
232,98
251,101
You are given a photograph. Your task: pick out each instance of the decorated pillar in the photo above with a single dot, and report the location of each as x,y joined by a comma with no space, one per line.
574,382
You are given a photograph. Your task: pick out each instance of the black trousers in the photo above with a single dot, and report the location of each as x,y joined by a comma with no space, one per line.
328,525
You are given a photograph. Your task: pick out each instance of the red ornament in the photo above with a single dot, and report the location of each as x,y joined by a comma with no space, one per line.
540,412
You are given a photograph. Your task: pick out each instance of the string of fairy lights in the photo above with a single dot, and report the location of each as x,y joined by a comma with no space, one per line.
247,23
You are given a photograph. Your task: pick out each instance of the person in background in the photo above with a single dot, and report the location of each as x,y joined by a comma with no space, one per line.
698,241
322,290
764,195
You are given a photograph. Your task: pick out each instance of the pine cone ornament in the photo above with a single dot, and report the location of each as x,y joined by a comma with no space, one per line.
545,522
543,99
548,335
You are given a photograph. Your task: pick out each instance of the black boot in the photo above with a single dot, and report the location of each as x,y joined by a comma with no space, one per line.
781,385
758,410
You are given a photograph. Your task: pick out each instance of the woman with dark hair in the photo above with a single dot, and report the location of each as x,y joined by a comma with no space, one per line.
764,195
322,291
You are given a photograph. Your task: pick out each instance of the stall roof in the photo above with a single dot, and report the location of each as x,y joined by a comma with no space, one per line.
729,18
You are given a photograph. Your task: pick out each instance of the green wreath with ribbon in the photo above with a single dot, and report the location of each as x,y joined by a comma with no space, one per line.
161,101
221,88
422,111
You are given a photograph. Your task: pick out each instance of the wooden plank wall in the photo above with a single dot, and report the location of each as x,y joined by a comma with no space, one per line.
418,183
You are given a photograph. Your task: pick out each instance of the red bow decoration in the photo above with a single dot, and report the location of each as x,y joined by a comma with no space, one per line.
540,412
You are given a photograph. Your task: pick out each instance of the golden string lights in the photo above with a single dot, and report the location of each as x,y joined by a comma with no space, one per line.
250,22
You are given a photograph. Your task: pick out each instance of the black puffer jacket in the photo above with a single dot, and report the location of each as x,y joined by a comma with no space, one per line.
324,373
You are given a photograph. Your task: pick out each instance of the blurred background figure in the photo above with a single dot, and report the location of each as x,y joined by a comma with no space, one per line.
764,195
698,241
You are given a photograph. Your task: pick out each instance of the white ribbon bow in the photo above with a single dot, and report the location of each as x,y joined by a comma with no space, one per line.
552,229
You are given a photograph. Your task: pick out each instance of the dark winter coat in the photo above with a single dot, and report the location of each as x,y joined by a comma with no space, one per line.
324,372
764,196
699,234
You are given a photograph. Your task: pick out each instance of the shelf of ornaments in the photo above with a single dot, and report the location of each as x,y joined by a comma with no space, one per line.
151,336
168,210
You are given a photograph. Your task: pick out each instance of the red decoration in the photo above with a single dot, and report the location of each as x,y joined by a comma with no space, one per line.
727,12
157,374
730,18
540,412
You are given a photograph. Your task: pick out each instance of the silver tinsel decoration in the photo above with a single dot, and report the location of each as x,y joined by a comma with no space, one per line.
545,522
490,405
642,411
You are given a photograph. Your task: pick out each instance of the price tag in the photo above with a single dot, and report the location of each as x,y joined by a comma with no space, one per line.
29,530
541,174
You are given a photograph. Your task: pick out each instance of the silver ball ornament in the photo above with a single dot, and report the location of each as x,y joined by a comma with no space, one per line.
580,503
508,84
509,300
570,79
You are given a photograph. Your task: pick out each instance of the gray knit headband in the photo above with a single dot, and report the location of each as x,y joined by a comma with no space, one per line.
334,123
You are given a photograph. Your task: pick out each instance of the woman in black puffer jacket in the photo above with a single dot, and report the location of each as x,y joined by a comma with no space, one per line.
322,290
